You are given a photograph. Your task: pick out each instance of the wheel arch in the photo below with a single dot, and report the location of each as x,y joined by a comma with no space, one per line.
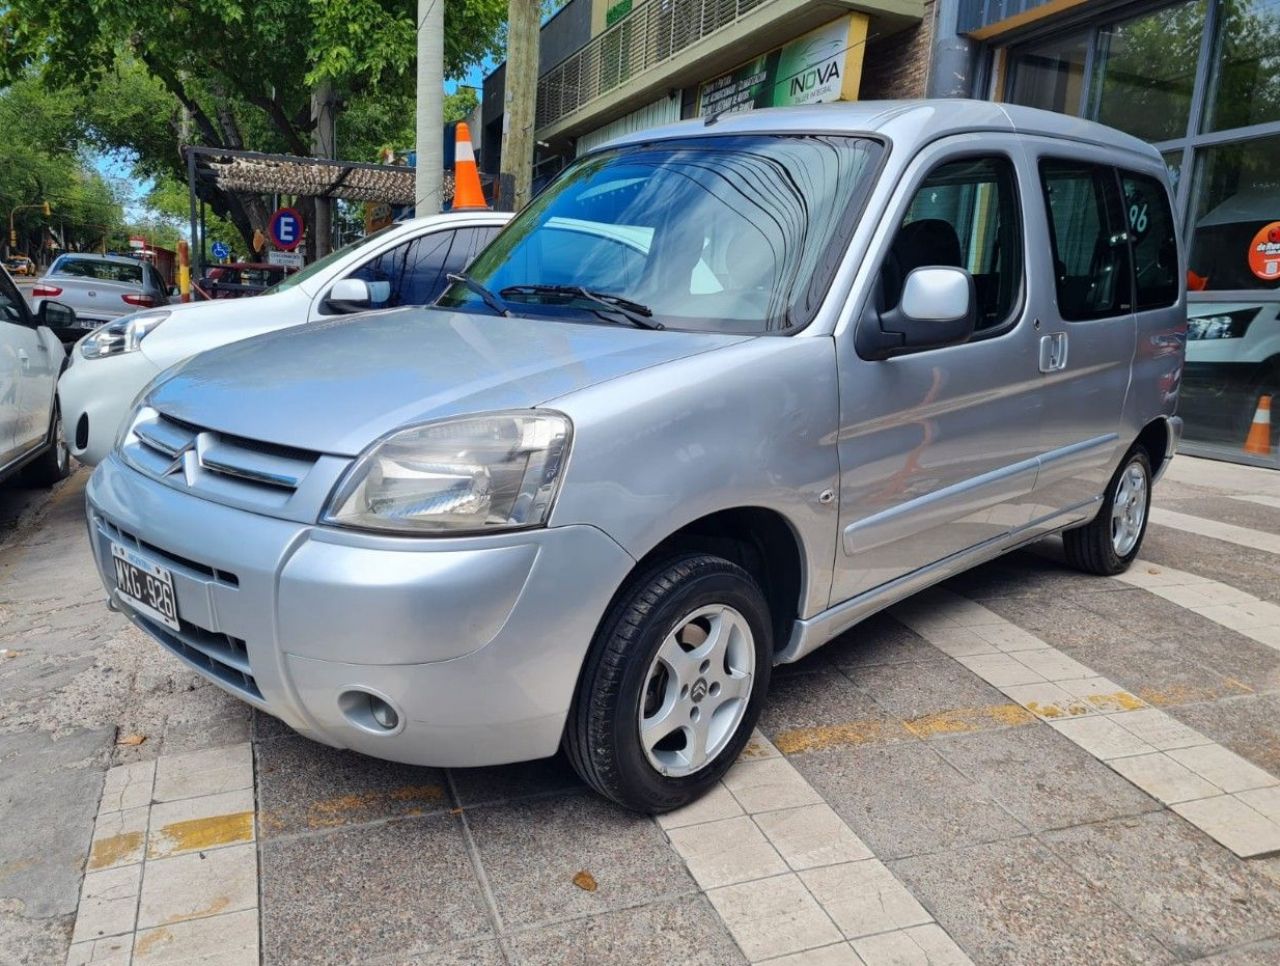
760,540
1155,438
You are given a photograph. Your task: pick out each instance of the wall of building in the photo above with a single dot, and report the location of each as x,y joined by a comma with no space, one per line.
898,66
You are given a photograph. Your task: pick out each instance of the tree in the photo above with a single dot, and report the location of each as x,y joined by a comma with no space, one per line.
42,158
240,74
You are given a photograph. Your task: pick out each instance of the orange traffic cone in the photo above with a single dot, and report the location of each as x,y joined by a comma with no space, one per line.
1258,442
466,176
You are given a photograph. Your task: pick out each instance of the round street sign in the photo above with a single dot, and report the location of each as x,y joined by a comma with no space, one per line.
285,229
220,250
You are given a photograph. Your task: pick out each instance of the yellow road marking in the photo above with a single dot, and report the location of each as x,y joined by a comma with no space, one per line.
196,834
107,852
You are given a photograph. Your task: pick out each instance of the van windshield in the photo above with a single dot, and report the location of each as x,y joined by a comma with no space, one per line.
735,233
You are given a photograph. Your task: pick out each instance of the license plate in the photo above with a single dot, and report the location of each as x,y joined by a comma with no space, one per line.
145,587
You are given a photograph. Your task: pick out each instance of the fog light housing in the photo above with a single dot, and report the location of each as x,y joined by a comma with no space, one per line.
370,712
383,713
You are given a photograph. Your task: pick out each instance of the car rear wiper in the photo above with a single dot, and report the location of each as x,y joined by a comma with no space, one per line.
489,298
641,316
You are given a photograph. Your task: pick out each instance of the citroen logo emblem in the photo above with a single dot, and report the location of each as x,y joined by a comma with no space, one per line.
184,461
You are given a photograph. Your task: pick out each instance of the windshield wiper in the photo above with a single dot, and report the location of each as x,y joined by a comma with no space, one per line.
489,298
641,316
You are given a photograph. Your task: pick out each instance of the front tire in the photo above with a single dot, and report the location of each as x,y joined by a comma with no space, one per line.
1109,543
673,683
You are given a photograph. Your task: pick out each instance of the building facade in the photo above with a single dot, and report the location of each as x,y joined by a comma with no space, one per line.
1199,79
608,67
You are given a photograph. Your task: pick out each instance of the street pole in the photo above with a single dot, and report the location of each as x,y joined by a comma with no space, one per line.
323,146
524,22
428,176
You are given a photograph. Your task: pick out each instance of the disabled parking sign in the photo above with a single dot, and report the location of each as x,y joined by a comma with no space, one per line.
285,229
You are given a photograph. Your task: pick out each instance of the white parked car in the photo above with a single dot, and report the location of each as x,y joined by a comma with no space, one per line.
30,358
407,263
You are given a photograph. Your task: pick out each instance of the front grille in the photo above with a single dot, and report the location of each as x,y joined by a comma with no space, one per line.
217,463
219,655
127,539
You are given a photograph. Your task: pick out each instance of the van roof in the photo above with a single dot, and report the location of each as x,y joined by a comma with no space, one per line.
915,122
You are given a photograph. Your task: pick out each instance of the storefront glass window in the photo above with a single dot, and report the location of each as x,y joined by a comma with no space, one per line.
1236,217
1145,69
1051,75
1230,366
1246,79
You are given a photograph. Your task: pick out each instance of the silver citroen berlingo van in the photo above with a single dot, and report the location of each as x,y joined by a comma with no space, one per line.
723,390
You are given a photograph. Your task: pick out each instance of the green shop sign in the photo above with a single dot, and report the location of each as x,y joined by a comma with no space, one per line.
822,65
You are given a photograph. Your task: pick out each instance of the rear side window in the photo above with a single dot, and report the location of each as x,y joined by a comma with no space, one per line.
1155,246
1090,243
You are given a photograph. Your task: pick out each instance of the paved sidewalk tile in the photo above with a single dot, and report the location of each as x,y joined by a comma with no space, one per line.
226,940
1002,670
811,836
864,898
113,951
685,930
197,885
1049,701
716,804
1053,665
128,786
1101,737
1193,896
1163,778
1228,819
1161,731
203,772
840,954
926,945
1223,767
773,917
774,783
118,839
1264,800
200,824
108,903
724,852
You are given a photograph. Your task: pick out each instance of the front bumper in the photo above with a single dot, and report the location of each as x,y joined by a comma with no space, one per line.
96,395
476,642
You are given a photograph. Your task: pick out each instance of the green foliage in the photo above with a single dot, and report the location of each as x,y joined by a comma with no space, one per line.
234,74
42,159
459,104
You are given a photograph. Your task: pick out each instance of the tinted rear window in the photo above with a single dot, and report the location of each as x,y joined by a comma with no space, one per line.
103,271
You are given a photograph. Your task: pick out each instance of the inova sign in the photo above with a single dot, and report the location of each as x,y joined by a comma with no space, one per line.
822,65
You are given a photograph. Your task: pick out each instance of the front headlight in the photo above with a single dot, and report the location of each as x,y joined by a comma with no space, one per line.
499,471
121,336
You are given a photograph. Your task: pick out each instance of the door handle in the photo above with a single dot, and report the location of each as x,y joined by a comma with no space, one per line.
24,358
1053,352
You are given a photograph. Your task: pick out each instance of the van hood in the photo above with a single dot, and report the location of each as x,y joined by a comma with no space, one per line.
335,387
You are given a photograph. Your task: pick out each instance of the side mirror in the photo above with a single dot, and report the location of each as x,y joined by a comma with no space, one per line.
939,307
356,295
56,315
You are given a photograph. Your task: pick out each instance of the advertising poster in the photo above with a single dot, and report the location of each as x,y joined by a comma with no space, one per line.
823,65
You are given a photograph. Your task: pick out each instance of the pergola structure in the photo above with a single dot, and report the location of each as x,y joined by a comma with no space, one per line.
252,172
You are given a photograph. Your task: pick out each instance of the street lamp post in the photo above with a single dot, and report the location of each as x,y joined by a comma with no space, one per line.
13,233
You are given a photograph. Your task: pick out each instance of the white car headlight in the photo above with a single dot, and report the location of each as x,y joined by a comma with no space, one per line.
121,336
499,471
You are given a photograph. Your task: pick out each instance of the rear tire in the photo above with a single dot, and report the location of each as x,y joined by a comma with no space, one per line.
54,464
673,683
1109,543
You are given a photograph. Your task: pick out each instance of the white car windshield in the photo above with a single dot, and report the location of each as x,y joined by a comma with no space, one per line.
728,233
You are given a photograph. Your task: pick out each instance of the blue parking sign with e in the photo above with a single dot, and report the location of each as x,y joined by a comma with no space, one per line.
285,229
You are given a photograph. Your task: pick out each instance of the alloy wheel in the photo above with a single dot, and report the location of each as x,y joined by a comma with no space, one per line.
697,690
1129,509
